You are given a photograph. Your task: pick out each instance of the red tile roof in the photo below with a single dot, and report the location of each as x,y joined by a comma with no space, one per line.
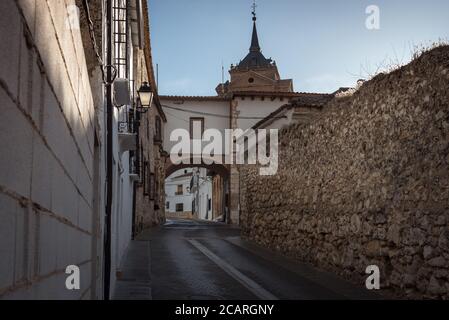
305,100
195,98
302,95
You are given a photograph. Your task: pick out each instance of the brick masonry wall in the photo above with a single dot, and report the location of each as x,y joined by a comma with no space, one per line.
366,183
46,159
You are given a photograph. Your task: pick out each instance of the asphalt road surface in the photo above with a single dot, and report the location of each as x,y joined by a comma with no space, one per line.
192,260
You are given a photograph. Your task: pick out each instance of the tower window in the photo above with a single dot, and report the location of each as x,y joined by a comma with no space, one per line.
251,80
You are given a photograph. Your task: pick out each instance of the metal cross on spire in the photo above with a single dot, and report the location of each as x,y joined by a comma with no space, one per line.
254,7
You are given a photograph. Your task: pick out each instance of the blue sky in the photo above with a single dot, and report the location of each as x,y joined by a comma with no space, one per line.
321,44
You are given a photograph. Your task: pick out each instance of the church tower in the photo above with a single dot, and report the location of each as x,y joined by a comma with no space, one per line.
255,73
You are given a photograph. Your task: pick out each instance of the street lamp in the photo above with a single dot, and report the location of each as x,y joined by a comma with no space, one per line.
145,97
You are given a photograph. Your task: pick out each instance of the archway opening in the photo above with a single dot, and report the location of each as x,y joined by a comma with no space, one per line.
197,192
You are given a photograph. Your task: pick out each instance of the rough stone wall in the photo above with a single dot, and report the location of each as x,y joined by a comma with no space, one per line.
366,183
46,157
149,212
160,187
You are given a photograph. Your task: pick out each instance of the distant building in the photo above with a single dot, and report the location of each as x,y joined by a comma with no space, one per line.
178,196
201,189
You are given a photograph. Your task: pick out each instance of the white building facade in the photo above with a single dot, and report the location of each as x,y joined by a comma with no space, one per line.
178,198
202,193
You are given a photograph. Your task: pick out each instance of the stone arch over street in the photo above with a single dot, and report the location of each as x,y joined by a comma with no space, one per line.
220,169
200,187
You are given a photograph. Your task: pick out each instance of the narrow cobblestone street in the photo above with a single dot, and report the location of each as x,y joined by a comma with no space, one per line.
192,260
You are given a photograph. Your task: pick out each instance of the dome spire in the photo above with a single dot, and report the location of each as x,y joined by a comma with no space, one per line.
254,59
255,47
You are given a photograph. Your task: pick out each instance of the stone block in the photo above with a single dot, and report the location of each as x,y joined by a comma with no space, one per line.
50,52
437,262
11,35
427,252
47,244
57,134
85,248
40,86
73,246
86,277
64,195
25,74
84,183
443,240
21,242
435,287
63,247
84,215
43,164
28,8
83,103
59,15
68,47
8,212
16,143
32,239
